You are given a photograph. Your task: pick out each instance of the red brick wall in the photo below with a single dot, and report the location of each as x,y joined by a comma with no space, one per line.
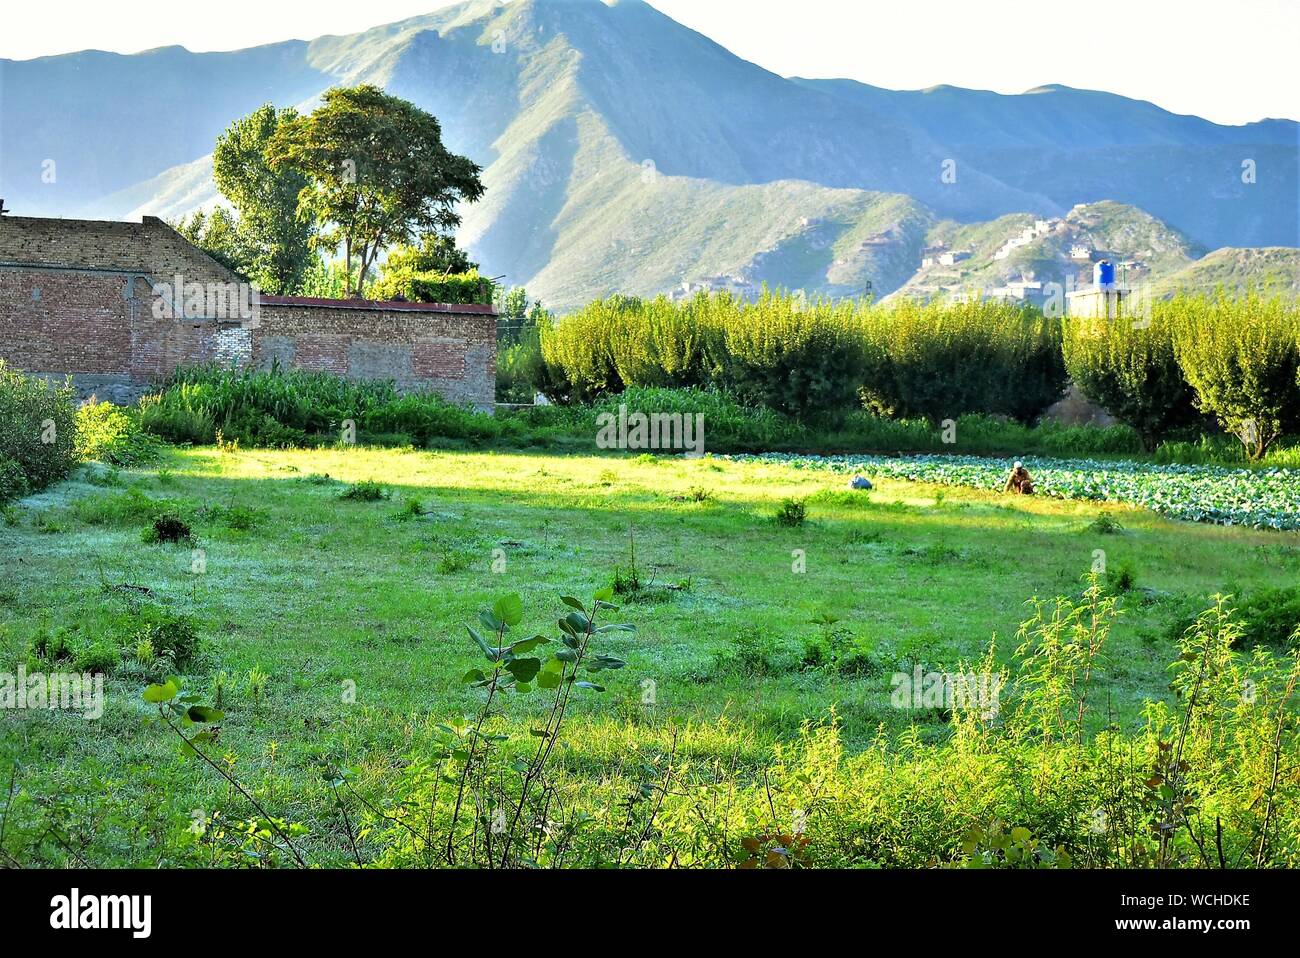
452,353
93,316
150,247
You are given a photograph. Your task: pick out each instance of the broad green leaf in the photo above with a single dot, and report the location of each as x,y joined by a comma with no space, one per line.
489,651
202,713
509,609
524,670
527,645
157,694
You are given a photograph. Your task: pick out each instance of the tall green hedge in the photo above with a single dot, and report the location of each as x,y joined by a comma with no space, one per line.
941,360
1128,365
795,357
777,352
1242,357
944,360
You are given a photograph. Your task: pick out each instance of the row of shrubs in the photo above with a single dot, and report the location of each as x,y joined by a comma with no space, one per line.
275,408
1169,369
805,359
1237,360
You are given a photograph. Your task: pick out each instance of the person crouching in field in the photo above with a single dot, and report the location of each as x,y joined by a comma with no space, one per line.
1019,481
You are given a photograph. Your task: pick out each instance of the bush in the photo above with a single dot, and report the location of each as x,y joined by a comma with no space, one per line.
433,287
1242,357
727,423
258,407
104,632
168,528
779,352
579,348
792,513
796,358
37,433
113,434
365,491
1271,616
520,370
424,417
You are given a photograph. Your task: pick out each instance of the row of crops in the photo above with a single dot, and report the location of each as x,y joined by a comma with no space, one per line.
1258,498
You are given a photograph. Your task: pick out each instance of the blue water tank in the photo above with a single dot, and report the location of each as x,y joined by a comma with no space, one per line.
1103,274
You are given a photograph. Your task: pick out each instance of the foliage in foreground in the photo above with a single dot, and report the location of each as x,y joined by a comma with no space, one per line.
1030,777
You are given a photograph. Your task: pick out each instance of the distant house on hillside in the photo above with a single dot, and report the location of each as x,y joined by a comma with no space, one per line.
1079,251
735,285
953,257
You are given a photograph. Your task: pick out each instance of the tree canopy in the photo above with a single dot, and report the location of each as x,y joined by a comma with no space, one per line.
270,241
377,173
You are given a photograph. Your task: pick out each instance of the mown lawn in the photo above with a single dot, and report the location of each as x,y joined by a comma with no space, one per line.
326,596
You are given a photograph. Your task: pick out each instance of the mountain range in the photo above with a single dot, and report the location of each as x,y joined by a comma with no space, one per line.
625,152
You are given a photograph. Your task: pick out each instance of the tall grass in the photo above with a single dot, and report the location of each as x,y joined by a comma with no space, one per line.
277,408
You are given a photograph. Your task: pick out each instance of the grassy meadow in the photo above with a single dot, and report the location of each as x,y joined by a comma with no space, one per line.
332,630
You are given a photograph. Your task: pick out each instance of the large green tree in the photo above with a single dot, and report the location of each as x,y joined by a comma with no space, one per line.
1243,359
217,234
273,243
377,173
1128,365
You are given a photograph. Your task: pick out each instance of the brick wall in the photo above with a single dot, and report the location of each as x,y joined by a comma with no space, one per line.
82,298
449,349
150,246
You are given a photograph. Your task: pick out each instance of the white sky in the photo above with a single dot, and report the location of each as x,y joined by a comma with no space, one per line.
1230,62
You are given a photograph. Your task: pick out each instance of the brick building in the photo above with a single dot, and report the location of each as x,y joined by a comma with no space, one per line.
119,305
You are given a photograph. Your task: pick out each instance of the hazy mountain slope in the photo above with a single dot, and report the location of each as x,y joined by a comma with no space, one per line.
789,233
172,194
1268,270
108,121
624,151
1078,146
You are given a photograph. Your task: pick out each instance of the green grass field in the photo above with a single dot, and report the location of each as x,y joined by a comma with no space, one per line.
355,612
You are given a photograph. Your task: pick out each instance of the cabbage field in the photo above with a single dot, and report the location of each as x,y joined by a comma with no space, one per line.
1257,498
